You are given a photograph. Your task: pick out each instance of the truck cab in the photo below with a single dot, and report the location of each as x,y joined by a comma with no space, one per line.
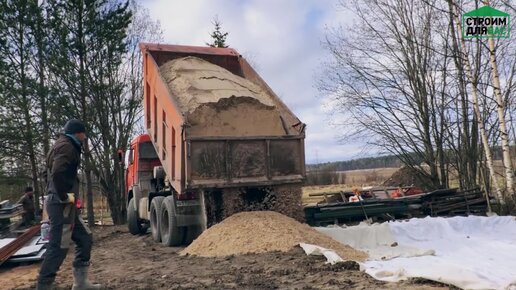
140,158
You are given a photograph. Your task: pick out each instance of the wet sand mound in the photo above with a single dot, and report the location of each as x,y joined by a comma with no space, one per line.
260,232
195,81
217,102
235,116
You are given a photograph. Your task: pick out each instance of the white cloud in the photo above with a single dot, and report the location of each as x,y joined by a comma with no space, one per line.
283,37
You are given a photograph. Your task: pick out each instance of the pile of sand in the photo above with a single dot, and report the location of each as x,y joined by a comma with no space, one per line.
217,102
195,81
263,231
235,116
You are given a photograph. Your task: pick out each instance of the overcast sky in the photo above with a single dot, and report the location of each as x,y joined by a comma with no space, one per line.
282,38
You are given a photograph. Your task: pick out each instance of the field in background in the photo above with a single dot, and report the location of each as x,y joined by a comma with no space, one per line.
368,177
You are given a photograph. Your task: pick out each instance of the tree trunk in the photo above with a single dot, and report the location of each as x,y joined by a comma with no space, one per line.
89,185
29,135
476,107
117,199
42,92
507,161
117,207
469,154
85,119
45,136
120,193
32,156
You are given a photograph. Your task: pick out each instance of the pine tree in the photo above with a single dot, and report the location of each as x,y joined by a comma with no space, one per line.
19,129
218,37
89,42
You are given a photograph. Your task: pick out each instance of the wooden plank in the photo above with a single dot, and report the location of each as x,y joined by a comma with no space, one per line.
458,205
13,247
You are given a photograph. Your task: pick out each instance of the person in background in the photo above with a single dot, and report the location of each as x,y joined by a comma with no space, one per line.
399,192
27,202
356,196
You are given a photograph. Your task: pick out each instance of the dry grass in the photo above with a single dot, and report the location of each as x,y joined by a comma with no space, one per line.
369,177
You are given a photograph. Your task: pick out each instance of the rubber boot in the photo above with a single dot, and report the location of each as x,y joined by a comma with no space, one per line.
80,280
44,286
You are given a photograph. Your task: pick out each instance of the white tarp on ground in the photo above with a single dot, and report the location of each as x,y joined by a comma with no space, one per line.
468,252
330,255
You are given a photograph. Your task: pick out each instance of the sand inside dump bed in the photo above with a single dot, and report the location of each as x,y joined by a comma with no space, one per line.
218,103
195,81
263,231
235,116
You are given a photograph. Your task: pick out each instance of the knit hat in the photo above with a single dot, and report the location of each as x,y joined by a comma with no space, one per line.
74,126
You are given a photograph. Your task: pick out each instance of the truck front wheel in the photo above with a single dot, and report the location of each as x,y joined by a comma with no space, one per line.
155,209
171,234
135,227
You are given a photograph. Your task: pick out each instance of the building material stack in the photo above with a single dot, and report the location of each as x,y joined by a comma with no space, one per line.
377,206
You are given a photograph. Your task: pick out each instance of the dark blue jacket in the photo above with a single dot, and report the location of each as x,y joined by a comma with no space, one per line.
62,165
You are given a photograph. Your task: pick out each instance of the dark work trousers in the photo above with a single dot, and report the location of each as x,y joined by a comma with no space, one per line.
66,225
28,219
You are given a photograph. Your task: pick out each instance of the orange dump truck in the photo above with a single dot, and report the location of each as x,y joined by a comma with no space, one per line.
219,142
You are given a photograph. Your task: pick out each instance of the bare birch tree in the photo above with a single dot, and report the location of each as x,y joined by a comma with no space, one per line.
402,79
504,136
388,78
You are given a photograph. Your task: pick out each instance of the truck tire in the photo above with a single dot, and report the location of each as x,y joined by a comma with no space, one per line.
171,234
192,232
155,210
135,227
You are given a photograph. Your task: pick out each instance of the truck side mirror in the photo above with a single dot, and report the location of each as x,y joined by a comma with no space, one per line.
131,156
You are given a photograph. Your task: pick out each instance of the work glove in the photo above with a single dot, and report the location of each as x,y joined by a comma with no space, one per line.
68,207
71,198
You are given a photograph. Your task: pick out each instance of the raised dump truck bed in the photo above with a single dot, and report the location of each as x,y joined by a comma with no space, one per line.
208,137
223,138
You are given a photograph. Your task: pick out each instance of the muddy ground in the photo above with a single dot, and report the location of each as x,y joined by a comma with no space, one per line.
123,261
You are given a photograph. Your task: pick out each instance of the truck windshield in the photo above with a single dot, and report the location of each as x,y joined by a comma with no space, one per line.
146,151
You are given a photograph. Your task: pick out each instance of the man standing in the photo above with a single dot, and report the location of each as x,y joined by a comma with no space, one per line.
66,224
27,202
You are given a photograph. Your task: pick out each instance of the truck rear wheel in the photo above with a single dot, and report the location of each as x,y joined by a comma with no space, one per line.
133,222
155,210
171,234
192,232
